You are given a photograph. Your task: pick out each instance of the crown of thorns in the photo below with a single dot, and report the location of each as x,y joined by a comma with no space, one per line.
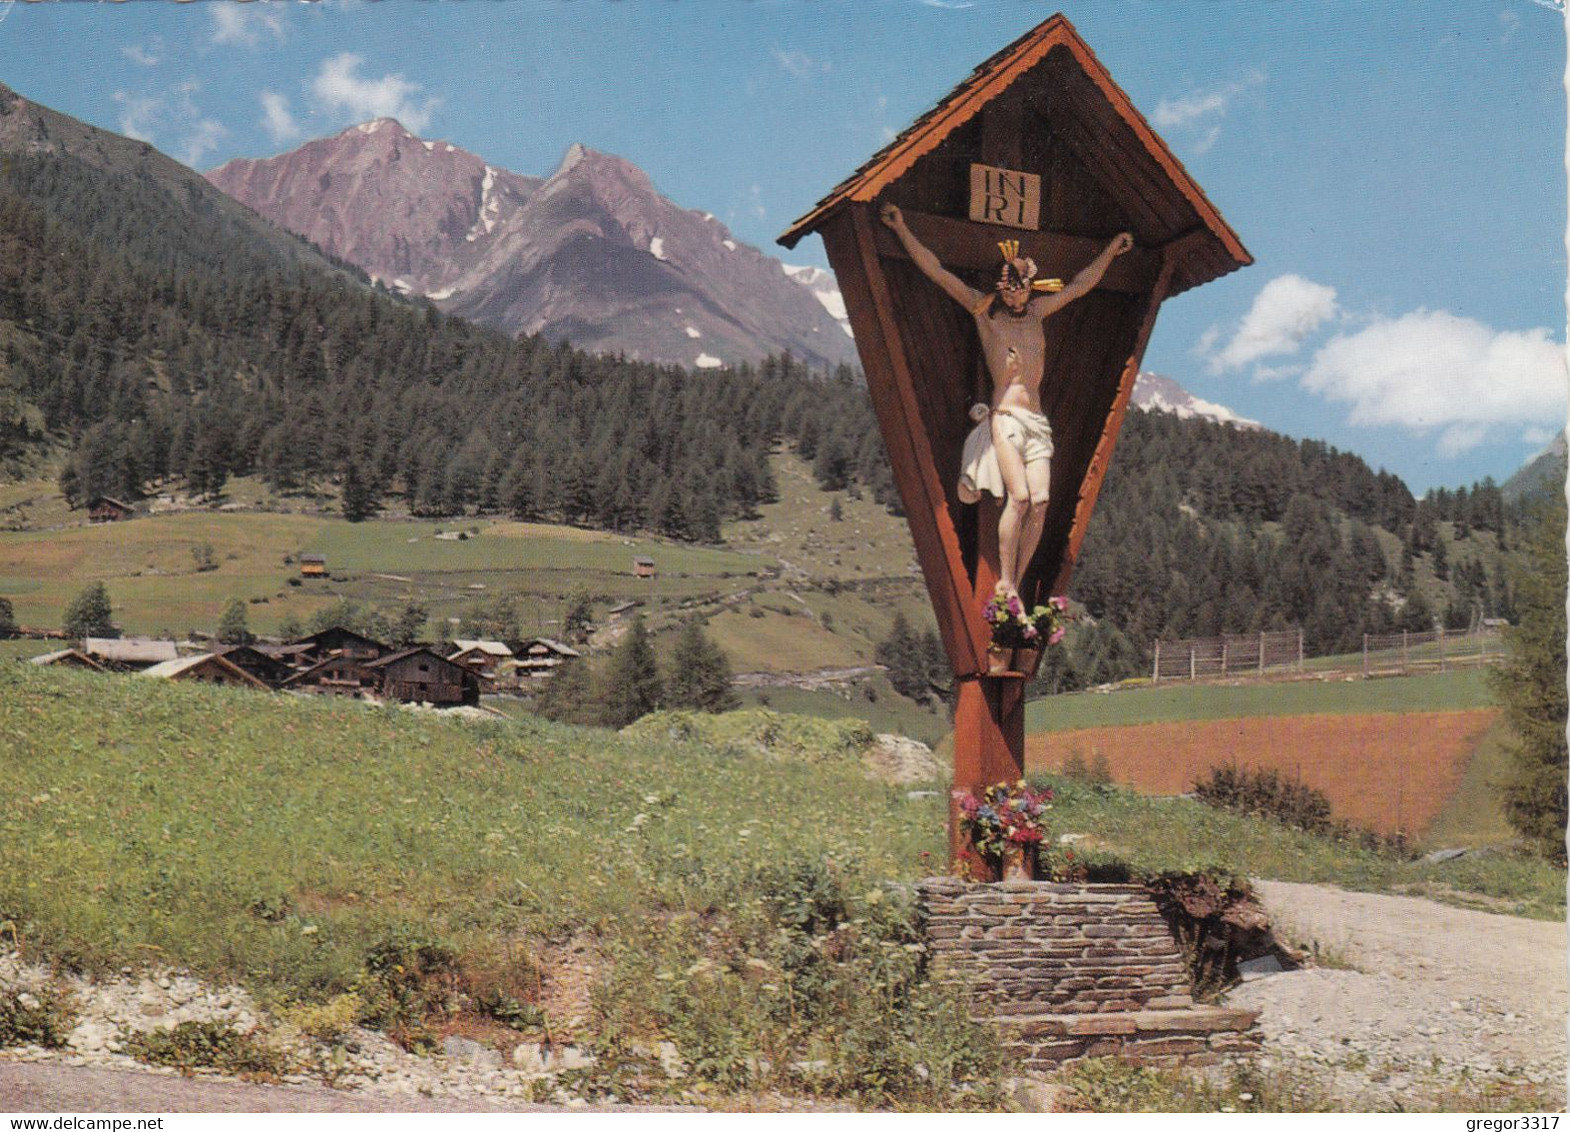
1020,271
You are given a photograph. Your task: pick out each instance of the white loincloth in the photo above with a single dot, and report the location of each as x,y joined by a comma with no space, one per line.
1030,434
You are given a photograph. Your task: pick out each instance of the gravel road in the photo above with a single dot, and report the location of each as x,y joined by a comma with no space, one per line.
1412,999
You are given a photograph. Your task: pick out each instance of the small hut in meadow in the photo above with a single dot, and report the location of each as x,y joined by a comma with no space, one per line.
313,566
105,509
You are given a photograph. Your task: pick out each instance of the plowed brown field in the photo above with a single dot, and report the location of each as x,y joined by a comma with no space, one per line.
1385,772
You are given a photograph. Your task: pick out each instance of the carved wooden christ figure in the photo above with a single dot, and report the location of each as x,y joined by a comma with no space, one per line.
1009,453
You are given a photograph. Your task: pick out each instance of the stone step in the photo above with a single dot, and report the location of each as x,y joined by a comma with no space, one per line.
1194,1020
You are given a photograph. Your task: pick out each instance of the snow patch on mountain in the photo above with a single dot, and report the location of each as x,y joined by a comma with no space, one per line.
708,361
694,332
657,247
824,288
1155,392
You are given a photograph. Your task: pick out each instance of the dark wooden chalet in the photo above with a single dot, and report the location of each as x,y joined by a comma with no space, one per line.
419,676
269,669
643,567
338,641
337,676
107,510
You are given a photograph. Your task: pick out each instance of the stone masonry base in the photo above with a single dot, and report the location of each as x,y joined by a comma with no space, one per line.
1069,971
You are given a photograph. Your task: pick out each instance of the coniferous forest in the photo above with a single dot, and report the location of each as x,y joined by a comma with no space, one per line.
155,342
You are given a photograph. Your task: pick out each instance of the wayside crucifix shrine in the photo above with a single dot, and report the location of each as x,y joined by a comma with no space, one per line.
1036,193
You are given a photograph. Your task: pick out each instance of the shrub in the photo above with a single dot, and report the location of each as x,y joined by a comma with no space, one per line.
209,1045
38,1017
1264,793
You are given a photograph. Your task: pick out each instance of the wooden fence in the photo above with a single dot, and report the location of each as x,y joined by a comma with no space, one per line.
1402,653
1233,655
1260,654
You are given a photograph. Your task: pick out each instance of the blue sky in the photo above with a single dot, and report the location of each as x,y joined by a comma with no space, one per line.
1396,169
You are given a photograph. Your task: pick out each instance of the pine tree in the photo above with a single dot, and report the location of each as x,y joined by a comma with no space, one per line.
632,687
1530,685
567,695
359,498
89,614
232,626
578,622
700,676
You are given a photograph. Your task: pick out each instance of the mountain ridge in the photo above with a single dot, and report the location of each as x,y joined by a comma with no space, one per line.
591,253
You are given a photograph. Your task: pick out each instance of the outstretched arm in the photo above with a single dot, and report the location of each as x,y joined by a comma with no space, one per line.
923,258
1089,276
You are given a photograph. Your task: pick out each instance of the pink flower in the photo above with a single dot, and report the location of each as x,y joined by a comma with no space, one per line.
1057,635
1059,603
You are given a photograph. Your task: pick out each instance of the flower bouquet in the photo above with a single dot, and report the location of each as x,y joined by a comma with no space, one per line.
1013,628
1006,824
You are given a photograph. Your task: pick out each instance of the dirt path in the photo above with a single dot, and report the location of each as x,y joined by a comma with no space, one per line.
1413,998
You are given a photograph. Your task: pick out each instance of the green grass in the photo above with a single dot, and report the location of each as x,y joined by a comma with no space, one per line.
1450,691
1474,817
890,712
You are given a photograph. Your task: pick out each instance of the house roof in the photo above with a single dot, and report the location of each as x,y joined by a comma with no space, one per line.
130,650
113,502
60,655
313,558
404,654
554,646
1093,113
172,668
491,648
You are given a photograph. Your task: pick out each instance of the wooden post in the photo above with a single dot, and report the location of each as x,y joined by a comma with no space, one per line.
1191,669
1441,648
1224,672
1155,677
1261,654
1365,656
1403,652
1300,650
989,747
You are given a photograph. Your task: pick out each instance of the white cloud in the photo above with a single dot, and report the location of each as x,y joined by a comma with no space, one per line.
277,119
799,63
1435,370
175,115
342,91
1193,109
1538,436
149,56
245,24
1286,311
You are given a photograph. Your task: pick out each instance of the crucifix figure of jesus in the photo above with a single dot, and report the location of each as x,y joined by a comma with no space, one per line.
1009,453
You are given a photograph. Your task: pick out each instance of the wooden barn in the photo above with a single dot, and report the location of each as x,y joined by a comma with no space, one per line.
338,641
419,676
266,667
643,567
129,654
208,668
337,676
313,566
105,509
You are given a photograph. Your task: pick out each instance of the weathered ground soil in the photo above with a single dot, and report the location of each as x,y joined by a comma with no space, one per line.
1381,771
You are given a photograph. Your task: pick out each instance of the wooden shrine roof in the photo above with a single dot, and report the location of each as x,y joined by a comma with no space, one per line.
1073,95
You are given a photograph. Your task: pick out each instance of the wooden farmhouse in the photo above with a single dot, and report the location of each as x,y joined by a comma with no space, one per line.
538,658
419,676
267,667
482,657
336,676
129,654
643,567
338,641
313,566
208,668
67,658
104,509
1038,145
